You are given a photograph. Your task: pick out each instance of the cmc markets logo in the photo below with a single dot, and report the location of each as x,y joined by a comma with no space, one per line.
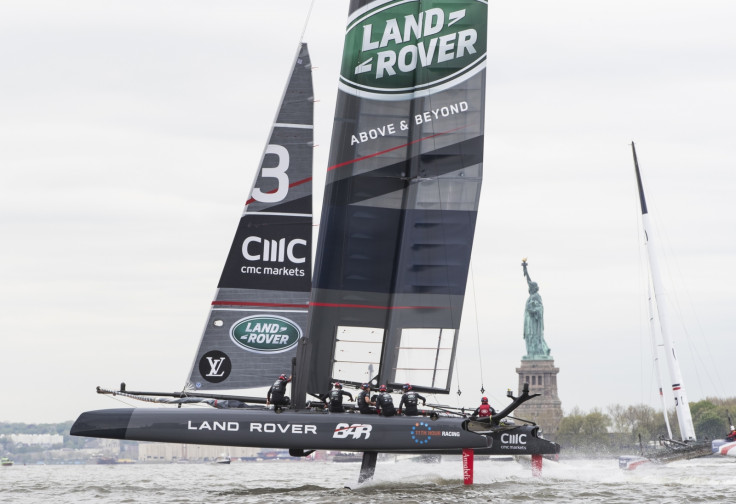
513,439
265,334
256,248
406,49
214,366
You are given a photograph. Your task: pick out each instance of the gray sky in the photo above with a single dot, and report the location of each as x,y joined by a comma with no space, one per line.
130,132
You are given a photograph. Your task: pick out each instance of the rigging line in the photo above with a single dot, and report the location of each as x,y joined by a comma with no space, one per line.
673,271
477,333
116,398
695,353
306,21
456,336
643,281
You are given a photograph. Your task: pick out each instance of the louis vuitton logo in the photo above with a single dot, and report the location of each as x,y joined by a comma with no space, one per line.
215,365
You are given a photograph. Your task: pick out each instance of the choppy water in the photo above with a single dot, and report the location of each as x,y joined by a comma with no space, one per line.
703,480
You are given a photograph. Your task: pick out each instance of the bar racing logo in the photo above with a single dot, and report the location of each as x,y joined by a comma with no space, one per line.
265,334
405,49
354,431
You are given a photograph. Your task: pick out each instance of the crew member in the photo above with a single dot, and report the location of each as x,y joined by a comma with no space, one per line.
335,398
411,400
365,403
484,410
276,393
385,402
731,435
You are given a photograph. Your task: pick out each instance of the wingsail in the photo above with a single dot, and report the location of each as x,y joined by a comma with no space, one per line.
401,196
260,308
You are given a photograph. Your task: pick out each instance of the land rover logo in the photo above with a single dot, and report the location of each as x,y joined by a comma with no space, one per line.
406,49
265,333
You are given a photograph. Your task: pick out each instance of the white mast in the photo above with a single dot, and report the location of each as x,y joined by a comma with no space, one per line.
655,353
682,407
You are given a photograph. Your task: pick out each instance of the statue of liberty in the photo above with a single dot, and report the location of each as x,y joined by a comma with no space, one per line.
536,348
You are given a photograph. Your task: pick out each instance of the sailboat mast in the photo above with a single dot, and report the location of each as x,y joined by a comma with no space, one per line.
682,407
655,353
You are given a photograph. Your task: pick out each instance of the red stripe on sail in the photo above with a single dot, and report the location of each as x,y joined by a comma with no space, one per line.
391,149
376,307
269,305
297,183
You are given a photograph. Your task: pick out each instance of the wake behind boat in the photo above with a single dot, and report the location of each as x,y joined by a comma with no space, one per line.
384,303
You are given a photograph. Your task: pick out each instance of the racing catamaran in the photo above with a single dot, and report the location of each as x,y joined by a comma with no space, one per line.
670,449
385,300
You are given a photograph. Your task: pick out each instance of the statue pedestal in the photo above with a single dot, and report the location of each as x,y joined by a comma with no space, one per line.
545,410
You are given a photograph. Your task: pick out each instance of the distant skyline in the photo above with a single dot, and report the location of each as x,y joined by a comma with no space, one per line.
130,132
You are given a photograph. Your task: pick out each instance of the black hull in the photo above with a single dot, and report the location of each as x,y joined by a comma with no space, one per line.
309,430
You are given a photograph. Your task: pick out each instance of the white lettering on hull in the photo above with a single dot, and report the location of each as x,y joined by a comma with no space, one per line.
272,428
215,426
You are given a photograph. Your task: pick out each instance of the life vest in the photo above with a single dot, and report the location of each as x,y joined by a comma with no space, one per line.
387,404
335,396
279,386
484,410
363,406
411,399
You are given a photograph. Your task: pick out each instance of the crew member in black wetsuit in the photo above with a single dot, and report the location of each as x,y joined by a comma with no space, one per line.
385,402
411,400
335,398
365,404
484,410
276,393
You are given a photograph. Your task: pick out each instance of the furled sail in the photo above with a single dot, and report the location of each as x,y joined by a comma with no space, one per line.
401,196
260,309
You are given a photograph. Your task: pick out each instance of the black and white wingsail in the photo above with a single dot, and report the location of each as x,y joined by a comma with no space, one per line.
401,196
259,313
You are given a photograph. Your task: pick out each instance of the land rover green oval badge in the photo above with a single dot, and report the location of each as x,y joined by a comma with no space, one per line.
265,333
407,49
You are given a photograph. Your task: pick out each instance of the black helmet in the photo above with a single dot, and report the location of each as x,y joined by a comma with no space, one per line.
338,385
366,386
382,388
484,400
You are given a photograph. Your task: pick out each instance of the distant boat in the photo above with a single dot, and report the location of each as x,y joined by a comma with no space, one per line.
222,459
107,460
727,446
667,448
6,462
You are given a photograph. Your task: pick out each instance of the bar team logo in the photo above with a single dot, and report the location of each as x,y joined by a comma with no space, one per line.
265,334
405,49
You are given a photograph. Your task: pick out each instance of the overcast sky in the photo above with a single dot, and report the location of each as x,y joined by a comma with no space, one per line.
130,132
